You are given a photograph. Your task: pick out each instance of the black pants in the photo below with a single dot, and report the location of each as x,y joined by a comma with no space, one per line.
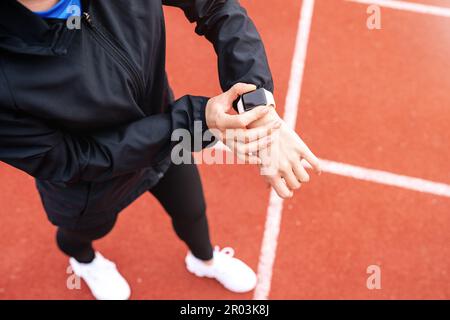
180,192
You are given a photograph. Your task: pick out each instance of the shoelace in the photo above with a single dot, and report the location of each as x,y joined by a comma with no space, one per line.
227,251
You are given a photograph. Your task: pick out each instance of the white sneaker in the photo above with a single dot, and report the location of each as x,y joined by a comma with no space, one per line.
103,278
231,272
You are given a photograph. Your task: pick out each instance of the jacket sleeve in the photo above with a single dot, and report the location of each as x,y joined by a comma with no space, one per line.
240,51
52,154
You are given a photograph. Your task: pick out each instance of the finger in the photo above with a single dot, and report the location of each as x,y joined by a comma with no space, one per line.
250,135
242,120
307,154
291,180
239,89
300,172
226,121
281,188
249,158
253,146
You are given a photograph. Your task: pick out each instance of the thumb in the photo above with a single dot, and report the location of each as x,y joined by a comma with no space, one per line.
244,119
239,89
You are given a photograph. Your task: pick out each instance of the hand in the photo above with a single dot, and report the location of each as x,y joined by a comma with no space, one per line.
282,163
232,129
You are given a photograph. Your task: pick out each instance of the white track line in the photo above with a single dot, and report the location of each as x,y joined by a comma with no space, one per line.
384,177
274,211
376,176
408,6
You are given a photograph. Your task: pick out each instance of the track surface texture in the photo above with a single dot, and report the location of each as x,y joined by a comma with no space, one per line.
376,99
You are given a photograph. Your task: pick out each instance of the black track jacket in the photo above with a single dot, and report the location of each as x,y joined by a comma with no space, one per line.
88,113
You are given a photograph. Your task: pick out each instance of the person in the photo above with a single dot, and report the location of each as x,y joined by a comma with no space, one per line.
88,111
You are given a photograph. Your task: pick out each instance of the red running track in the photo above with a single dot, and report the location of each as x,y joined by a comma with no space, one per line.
377,99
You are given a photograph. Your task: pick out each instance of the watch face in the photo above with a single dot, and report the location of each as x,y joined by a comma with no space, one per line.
254,99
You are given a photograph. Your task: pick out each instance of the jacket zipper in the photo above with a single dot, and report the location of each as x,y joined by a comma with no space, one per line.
137,80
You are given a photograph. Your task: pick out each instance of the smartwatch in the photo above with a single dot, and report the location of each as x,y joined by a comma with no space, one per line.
253,99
